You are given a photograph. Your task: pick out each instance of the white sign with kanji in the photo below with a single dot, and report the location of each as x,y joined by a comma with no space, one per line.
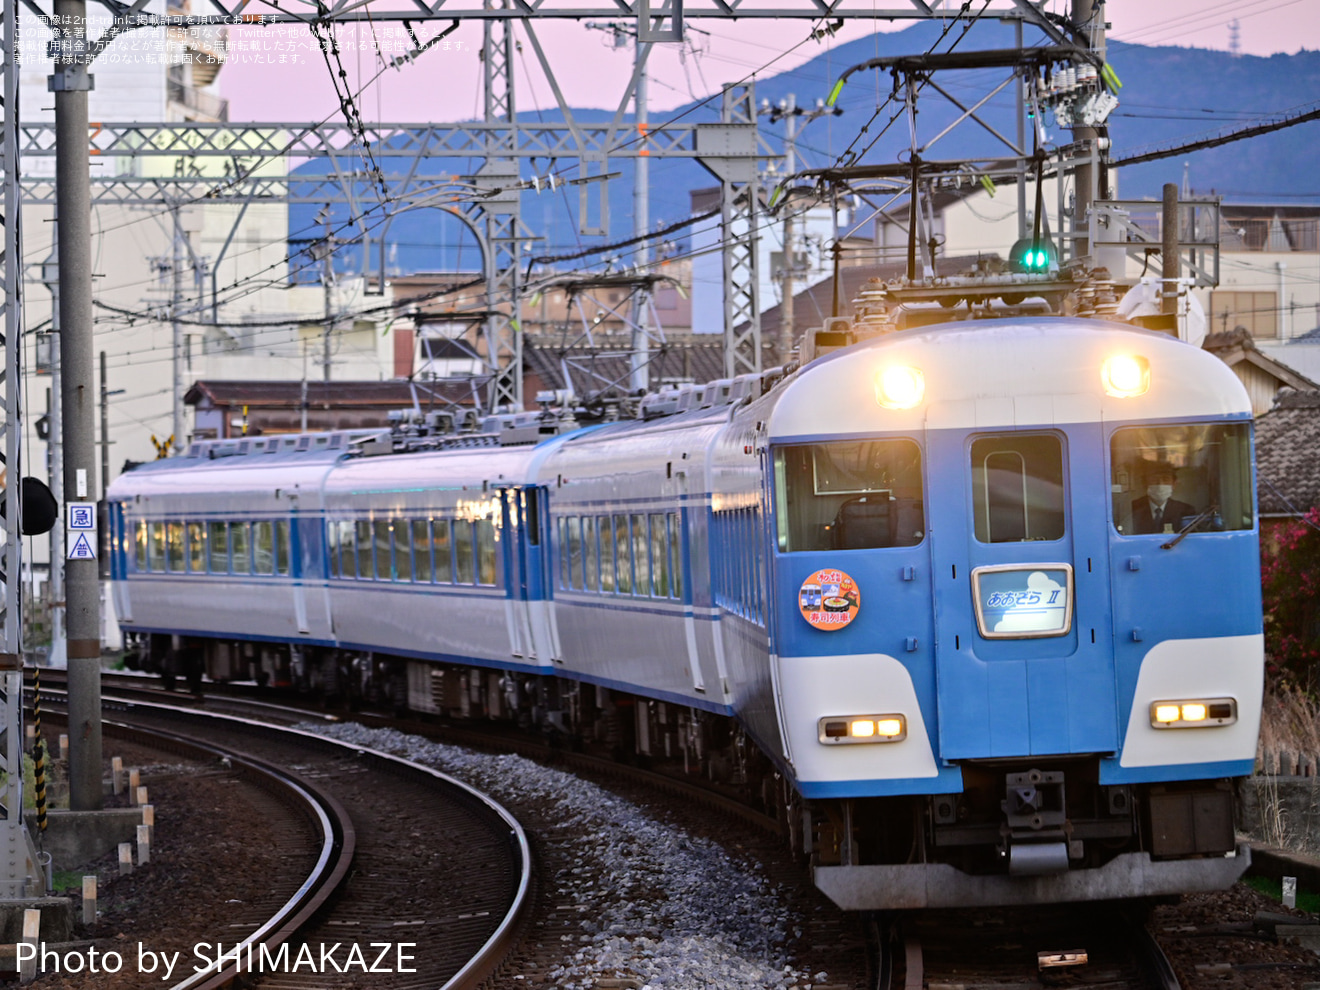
82,548
82,517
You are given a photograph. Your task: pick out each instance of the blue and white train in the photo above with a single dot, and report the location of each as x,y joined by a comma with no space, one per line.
974,608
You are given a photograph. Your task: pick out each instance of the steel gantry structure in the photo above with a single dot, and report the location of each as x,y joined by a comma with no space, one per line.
729,149
491,206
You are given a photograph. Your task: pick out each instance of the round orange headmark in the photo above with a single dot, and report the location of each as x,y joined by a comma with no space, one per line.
829,599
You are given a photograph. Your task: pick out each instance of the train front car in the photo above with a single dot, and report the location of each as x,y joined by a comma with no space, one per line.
1018,628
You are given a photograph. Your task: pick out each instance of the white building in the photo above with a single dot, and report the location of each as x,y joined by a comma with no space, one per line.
813,235
1270,281
234,273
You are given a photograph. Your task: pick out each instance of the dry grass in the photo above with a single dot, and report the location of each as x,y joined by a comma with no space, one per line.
1289,728
1289,745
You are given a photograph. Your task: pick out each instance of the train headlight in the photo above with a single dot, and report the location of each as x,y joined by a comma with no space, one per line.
1193,713
844,729
1125,376
899,387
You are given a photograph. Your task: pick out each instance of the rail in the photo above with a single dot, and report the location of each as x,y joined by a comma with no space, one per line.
339,837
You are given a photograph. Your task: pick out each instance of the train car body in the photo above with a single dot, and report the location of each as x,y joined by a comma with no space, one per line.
917,599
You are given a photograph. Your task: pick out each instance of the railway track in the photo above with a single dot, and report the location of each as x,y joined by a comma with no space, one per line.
938,951
235,699
1097,947
563,922
408,859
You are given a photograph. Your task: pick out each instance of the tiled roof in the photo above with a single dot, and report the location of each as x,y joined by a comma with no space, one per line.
1287,467
1237,346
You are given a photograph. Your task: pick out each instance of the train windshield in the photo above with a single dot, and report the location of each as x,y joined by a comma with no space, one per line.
1194,477
850,495
1017,487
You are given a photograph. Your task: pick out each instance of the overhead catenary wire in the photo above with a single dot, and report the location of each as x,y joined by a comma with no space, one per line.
251,279
1291,120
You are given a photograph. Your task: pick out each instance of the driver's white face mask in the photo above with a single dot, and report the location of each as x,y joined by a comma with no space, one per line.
1159,494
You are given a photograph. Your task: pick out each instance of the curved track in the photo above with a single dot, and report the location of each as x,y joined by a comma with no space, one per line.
462,910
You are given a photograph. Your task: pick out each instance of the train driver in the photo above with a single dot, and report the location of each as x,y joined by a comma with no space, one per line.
1158,511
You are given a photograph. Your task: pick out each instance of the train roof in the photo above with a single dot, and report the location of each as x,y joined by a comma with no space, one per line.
1005,373
247,463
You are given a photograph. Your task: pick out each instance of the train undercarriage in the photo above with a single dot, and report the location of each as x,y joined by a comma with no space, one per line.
1020,831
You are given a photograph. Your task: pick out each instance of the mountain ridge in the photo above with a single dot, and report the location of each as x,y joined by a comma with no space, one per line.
1167,93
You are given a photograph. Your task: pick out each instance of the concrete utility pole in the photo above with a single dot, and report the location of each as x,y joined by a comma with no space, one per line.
1169,251
71,82
105,426
1091,15
176,311
327,283
50,275
787,327
639,376
1021,113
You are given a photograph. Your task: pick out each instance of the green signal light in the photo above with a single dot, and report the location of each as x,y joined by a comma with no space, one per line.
1033,255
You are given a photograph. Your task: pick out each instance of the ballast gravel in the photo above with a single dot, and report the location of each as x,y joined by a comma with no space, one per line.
661,908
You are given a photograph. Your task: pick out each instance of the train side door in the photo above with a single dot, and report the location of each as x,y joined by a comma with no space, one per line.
121,593
526,560
1024,661
534,502
293,563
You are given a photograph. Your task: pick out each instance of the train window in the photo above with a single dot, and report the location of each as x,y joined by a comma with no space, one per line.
366,562
347,548
850,495
729,555
263,548
140,539
332,547
156,547
605,531
1017,488
561,533
676,553
442,551
403,558
174,544
463,552
1166,479
486,551
421,549
570,552
659,558
240,559
590,555
758,568
749,534
219,547
381,530
531,514
623,559
641,559
748,548
197,548
281,546
572,549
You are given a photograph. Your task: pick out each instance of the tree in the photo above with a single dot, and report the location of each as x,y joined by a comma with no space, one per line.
1290,582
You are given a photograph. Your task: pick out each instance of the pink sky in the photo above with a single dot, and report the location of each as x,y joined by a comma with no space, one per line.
443,84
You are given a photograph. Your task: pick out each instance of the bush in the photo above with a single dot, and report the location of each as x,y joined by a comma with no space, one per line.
1290,583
